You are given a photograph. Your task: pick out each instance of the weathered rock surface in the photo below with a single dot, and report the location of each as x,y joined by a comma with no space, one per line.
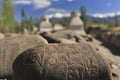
111,37
51,39
2,36
116,39
11,47
61,62
112,59
62,40
12,35
66,34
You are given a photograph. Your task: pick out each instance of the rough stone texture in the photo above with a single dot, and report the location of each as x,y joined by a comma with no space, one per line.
115,29
62,40
115,76
116,39
112,59
61,62
12,35
2,36
11,47
111,37
57,40
66,34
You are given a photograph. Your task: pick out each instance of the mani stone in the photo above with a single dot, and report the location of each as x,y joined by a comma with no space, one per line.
66,34
45,25
61,62
11,47
76,23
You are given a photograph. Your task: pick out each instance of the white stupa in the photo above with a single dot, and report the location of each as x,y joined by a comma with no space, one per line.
58,27
45,25
76,23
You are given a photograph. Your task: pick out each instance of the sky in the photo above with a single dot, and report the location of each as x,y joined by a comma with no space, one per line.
38,8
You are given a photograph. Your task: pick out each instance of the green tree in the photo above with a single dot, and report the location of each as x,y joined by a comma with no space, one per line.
8,16
64,23
116,22
0,20
30,27
24,22
94,21
1,23
83,15
111,24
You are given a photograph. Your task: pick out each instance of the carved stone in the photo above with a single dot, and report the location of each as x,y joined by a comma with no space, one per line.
11,47
61,62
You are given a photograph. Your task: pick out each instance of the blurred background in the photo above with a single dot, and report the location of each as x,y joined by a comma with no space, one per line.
17,15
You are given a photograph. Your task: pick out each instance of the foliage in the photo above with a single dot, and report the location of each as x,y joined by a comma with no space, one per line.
26,23
24,20
8,21
64,23
116,22
30,24
83,15
95,21
0,19
101,25
107,23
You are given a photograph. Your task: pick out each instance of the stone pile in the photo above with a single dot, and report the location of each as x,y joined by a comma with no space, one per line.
11,47
111,37
109,47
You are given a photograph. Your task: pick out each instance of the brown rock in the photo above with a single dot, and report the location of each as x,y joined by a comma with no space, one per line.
61,62
2,36
11,47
